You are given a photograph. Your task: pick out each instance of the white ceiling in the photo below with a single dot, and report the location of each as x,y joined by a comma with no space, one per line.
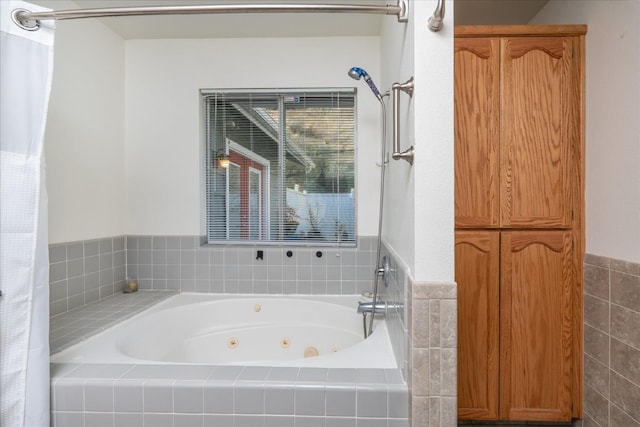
287,25
496,12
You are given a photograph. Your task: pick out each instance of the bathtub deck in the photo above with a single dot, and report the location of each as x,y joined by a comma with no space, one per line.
205,395
70,328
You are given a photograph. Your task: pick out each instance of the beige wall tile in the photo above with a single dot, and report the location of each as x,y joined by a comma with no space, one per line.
434,323
625,290
598,261
448,368
596,344
620,418
625,360
420,322
596,281
419,411
628,267
448,323
430,290
596,375
596,406
625,395
435,372
420,372
624,325
596,313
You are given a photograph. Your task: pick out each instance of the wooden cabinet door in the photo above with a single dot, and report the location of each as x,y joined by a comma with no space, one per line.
477,121
477,275
538,129
535,325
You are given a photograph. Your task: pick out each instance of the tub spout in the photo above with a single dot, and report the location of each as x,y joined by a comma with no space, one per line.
381,307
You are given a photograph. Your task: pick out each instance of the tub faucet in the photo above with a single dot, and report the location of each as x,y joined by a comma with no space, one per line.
381,307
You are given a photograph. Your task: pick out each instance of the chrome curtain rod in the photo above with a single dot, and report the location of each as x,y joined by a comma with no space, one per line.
31,20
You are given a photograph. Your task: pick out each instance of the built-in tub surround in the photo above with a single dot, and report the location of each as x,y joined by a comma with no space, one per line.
424,340
143,392
611,342
433,353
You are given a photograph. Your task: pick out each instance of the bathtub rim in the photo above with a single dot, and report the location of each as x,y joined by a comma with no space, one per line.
370,347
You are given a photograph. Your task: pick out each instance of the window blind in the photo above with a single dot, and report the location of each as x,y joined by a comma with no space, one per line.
291,167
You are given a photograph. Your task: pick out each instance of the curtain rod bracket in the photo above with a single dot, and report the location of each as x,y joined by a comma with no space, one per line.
17,16
403,15
436,20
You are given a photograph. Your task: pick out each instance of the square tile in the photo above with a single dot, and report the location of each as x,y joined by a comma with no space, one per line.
128,420
279,399
188,420
340,401
158,420
98,419
279,421
158,397
188,397
309,399
248,398
98,396
68,395
217,398
128,396
218,420
371,401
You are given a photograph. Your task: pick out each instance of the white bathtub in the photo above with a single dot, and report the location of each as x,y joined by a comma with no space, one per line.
242,330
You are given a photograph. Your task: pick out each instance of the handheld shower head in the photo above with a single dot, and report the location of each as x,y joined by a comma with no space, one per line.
356,73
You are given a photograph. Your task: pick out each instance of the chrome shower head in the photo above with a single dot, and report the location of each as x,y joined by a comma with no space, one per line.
356,73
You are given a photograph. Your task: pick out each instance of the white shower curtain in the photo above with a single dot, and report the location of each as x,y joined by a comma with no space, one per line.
26,62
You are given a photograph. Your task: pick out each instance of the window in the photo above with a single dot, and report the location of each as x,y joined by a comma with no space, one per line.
280,167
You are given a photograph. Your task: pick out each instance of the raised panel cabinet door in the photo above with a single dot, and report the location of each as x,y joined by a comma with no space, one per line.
477,275
477,120
535,325
539,114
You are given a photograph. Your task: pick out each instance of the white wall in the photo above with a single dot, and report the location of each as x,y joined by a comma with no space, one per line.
612,120
84,139
163,130
419,199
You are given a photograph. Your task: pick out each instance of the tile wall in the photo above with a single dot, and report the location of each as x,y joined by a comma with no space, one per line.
396,292
94,395
611,342
432,321
424,340
182,263
84,272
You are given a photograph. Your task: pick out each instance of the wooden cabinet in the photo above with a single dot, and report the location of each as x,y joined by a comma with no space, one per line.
519,191
535,325
477,132
478,278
